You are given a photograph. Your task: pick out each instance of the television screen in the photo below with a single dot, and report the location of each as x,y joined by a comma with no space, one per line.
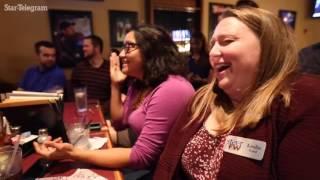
181,35
316,9
288,17
182,38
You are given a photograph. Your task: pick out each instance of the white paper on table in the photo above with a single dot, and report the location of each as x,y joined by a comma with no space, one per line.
24,140
82,174
97,142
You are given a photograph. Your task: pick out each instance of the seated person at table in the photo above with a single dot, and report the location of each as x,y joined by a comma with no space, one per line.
157,95
198,61
46,76
93,72
259,118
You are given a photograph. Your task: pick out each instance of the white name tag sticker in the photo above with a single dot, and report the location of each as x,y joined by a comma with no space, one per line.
250,148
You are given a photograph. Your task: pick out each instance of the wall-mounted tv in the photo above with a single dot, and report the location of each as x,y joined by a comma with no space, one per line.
316,9
182,38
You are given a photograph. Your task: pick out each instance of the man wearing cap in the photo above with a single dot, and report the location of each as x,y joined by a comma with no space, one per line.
69,45
46,76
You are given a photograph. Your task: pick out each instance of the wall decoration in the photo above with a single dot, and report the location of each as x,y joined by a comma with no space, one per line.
120,22
68,28
215,10
288,17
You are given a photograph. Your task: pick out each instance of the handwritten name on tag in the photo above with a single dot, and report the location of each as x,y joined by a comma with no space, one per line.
250,148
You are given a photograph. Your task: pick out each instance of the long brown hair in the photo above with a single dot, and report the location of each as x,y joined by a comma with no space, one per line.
277,67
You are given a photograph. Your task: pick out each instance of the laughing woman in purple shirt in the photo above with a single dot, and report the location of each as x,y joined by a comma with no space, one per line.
156,97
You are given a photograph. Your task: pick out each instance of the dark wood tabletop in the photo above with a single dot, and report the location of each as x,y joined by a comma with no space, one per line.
68,167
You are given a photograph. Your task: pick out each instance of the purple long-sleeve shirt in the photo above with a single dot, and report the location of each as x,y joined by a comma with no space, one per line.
153,119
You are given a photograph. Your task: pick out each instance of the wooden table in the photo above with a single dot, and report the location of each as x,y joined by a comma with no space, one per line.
68,167
18,103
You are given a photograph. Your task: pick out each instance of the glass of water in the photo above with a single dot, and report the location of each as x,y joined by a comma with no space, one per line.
80,97
10,164
78,135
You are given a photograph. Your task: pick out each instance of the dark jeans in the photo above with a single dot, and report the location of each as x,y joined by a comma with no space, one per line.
130,174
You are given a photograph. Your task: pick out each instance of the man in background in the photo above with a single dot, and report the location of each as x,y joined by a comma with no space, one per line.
46,76
309,59
93,72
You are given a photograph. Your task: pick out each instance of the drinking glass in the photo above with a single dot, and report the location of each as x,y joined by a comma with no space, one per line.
78,135
80,97
6,154
15,130
3,132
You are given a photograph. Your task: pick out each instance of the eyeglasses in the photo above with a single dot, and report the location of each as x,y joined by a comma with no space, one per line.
129,47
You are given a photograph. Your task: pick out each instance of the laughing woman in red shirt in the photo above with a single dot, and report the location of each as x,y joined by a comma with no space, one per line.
259,118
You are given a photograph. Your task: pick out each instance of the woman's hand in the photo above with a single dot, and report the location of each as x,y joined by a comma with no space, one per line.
117,77
54,150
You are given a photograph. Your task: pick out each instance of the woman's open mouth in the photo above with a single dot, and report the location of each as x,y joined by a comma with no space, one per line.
222,67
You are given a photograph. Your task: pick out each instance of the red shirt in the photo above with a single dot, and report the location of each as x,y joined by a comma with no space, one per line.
292,136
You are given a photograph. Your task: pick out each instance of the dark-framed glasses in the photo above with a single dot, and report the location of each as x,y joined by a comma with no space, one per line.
130,46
